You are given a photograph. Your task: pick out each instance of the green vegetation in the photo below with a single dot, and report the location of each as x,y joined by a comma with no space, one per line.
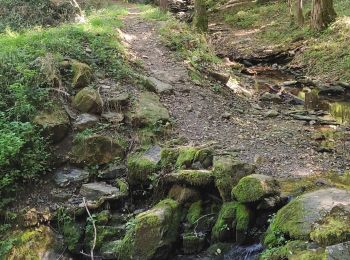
194,212
153,13
327,53
140,169
186,157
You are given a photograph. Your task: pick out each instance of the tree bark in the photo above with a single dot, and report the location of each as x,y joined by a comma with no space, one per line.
322,14
163,5
200,20
299,12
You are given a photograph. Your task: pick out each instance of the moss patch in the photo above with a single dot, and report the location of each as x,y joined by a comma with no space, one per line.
169,157
140,168
186,157
194,212
191,177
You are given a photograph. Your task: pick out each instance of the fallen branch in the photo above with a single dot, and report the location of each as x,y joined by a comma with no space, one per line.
95,231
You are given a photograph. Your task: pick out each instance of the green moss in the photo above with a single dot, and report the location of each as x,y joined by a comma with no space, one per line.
284,252
191,177
254,187
123,186
103,217
104,234
230,213
82,74
227,172
169,157
318,254
205,157
186,157
140,169
194,212
71,234
288,221
88,100
334,229
192,243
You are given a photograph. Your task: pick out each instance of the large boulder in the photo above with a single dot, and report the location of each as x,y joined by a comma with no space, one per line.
149,111
82,74
227,172
97,149
322,216
88,100
55,123
151,235
255,187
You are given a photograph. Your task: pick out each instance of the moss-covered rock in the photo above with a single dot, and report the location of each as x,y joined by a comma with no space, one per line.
97,149
205,157
151,235
72,234
255,187
103,217
140,169
88,100
227,172
183,194
104,234
194,212
299,218
198,178
287,251
233,220
148,111
55,123
82,74
169,157
186,157
192,243
32,244
334,228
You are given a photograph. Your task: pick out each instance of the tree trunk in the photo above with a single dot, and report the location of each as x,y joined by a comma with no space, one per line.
200,20
322,14
299,12
163,5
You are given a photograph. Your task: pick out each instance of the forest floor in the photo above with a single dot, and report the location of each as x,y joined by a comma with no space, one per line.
279,145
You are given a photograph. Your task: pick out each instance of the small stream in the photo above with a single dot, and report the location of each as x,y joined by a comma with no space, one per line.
250,252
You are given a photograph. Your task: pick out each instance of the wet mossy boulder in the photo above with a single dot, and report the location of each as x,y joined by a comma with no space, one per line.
104,234
152,234
97,149
186,157
183,194
148,111
194,212
205,157
140,168
82,74
88,100
232,223
255,187
228,171
311,213
55,123
31,244
197,178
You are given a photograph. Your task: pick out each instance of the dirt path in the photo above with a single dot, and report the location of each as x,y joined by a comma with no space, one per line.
281,146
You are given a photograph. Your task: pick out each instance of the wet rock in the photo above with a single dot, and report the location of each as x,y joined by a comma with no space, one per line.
192,243
88,100
112,172
218,249
55,123
232,223
141,166
97,149
149,111
255,187
227,172
82,74
273,98
98,192
338,252
65,177
113,117
183,194
191,177
151,235
331,90
85,121
309,216
159,86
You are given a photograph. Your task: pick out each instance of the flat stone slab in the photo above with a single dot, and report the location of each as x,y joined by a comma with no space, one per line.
153,154
85,121
159,86
66,177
